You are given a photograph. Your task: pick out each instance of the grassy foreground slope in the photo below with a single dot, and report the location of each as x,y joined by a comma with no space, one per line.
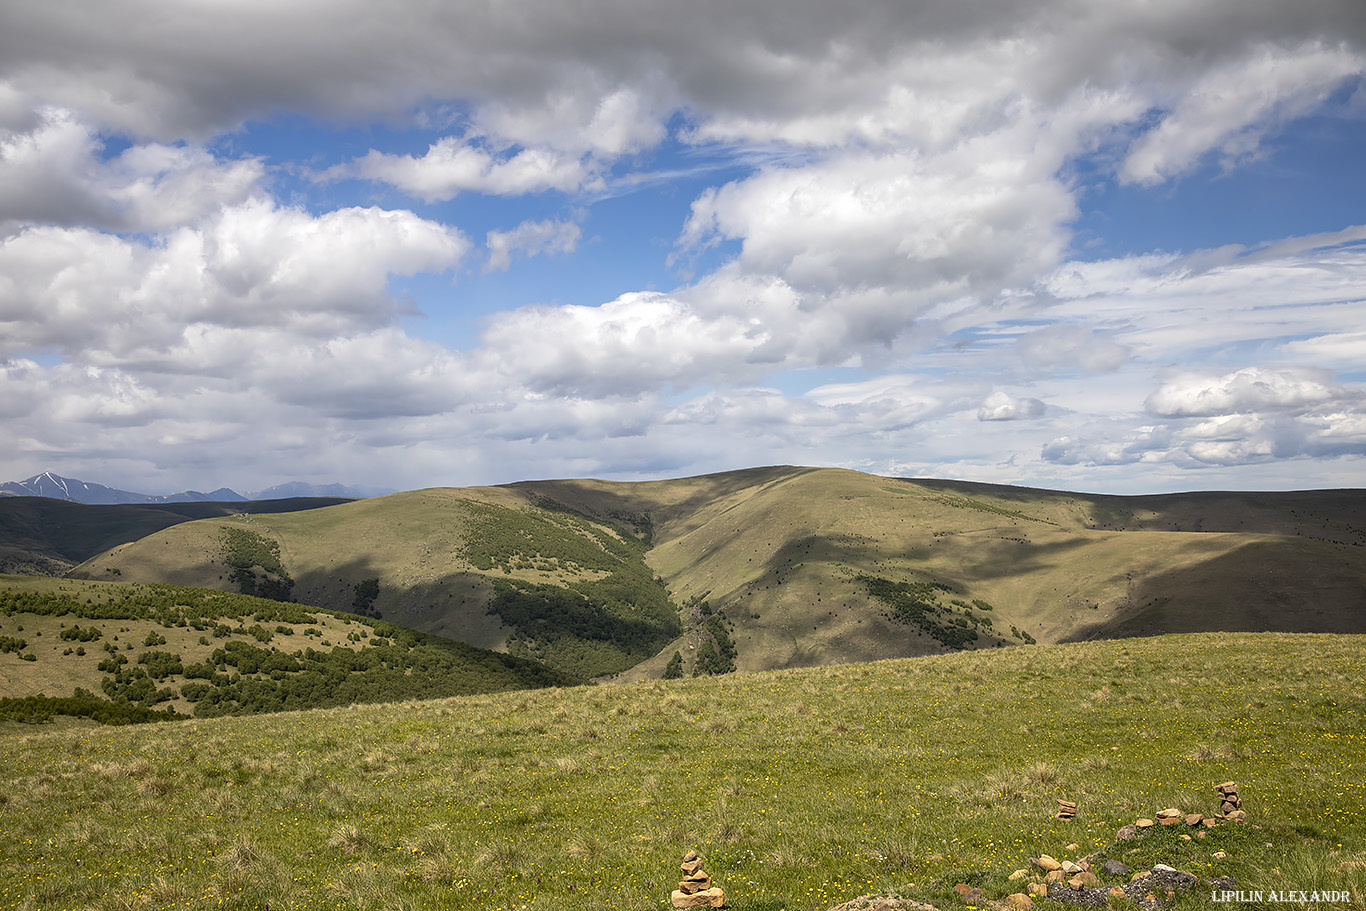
802,789
806,566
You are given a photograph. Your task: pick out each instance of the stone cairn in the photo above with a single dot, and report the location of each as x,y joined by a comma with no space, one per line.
696,890
1066,809
1231,805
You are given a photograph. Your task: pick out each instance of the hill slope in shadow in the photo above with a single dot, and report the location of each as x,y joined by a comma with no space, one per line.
805,566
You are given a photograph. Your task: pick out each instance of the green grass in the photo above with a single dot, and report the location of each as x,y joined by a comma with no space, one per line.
800,788
206,652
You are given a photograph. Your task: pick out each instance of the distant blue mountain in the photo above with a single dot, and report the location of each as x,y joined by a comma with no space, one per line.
57,487
303,489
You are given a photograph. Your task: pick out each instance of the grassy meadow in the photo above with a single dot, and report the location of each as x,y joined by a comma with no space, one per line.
801,788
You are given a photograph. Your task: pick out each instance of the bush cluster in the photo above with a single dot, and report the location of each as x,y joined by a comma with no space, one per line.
255,564
917,604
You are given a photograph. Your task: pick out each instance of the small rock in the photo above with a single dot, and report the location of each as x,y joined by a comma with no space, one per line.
1128,833
969,894
1019,901
1220,854
1115,892
1115,868
1140,875
1143,823
710,898
1194,819
1071,847
1055,876
1048,863
1083,880
1038,889
1018,875
1069,868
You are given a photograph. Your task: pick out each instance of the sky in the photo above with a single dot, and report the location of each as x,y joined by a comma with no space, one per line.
1104,247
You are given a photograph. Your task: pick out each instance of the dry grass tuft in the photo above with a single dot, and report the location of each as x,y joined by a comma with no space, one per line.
348,839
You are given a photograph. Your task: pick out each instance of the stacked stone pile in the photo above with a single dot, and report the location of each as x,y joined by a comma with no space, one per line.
696,889
1230,804
1066,809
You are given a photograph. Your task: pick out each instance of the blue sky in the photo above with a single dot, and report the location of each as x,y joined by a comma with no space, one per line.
1062,244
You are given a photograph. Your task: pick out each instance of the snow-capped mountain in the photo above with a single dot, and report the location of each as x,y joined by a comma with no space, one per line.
52,485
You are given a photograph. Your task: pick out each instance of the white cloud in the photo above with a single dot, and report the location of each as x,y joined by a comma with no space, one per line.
1002,406
530,238
1253,389
639,342
1232,106
115,301
452,166
919,224
54,173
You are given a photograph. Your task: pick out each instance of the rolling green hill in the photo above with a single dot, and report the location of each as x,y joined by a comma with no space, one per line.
45,536
167,649
803,566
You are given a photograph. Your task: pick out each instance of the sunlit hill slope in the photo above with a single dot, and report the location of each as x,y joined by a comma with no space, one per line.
804,566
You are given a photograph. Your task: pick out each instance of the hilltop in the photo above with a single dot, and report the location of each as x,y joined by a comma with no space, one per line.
788,567
44,535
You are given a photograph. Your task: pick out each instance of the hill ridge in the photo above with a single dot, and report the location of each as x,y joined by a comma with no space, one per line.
807,565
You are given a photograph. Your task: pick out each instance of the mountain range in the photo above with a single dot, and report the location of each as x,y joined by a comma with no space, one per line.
48,484
775,567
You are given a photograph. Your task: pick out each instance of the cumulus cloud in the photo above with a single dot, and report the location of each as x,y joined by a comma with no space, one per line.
1246,417
1002,406
1253,389
452,166
912,209
530,238
55,173
111,300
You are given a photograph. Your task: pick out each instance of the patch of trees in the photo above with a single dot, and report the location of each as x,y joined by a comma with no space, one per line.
917,604
84,704
590,628
674,669
11,644
254,564
243,679
81,634
366,593
135,686
716,655
169,605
